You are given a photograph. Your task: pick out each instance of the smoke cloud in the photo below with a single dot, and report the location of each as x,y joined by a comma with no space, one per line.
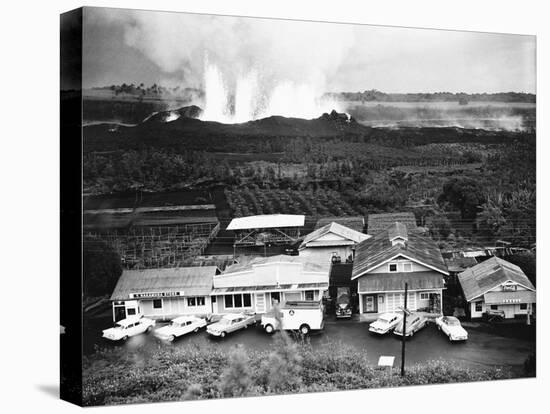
248,68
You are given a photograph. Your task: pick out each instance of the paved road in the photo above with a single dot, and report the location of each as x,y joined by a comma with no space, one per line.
483,348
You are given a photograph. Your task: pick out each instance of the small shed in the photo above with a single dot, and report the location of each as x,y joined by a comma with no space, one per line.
267,229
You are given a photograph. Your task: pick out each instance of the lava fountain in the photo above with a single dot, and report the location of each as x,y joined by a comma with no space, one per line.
253,99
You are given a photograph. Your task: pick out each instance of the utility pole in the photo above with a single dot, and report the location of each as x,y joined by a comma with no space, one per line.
404,333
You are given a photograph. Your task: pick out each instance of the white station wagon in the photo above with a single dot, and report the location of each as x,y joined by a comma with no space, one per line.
131,326
452,328
386,323
180,326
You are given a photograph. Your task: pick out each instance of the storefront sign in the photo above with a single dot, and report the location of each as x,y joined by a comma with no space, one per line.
142,295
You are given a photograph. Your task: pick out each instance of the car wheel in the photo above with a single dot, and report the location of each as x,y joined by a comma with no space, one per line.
304,329
438,327
196,330
412,333
125,338
269,328
148,329
172,338
222,335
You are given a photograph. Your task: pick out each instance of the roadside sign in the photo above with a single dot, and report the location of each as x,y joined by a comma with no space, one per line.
386,361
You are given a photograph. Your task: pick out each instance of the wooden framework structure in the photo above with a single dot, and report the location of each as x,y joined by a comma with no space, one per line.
158,246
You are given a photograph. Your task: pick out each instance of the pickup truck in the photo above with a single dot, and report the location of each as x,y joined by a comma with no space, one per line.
299,315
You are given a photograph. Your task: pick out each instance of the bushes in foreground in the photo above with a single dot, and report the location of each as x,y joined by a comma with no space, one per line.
119,377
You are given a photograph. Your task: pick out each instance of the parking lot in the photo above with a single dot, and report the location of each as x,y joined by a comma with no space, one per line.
485,346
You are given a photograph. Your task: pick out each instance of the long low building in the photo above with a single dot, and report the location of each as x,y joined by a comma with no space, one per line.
255,284
497,286
164,293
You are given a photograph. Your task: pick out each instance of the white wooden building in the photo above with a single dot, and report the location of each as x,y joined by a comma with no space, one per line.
256,283
164,293
497,286
331,240
388,260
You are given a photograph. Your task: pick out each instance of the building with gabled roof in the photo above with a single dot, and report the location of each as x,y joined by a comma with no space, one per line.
391,258
332,242
164,293
496,286
356,223
380,222
254,284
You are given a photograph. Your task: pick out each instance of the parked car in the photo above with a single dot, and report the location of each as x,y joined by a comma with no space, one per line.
180,326
302,315
131,326
386,323
452,328
230,323
343,303
414,323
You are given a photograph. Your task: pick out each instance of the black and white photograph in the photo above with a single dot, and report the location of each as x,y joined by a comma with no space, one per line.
277,206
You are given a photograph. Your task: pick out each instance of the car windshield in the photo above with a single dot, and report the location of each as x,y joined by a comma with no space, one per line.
382,321
175,324
453,322
224,321
118,326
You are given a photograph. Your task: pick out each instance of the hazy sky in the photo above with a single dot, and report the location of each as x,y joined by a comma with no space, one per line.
171,48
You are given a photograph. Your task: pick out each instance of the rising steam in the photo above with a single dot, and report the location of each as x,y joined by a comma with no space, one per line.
248,68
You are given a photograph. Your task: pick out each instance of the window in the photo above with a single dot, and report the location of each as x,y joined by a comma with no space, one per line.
494,307
131,311
228,301
393,267
309,294
238,301
191,302
213,299
424,296
479,306
523,306
275,296
157,304
407,267
200,301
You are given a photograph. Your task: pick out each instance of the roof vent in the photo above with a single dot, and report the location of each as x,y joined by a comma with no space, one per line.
398,234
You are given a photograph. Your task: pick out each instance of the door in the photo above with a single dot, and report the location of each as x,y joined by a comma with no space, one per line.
369,303
119,312
260,303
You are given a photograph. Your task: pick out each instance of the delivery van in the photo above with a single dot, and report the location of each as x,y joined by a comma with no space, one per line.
302,315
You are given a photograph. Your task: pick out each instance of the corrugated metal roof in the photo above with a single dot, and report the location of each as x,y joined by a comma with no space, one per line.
356,223
248,263
193,281
380,222
267,221
379,249
330,243
335,228
510,298
267,288
383,282
489,274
